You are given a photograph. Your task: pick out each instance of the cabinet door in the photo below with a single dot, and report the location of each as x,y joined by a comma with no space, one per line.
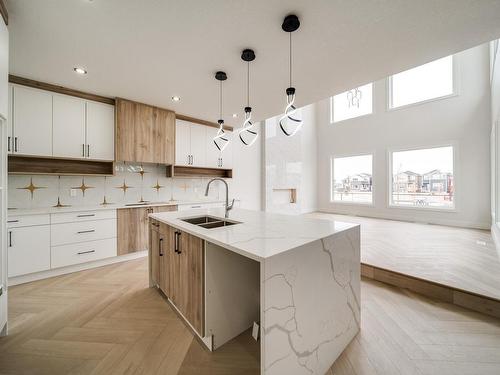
182,143
191,280
68,126
28,250
198,145
132,229
154,253
213,158
100,131
163,141
165,256
32,121
10,123
227,154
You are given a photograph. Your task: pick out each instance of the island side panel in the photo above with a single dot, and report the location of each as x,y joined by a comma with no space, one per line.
310,309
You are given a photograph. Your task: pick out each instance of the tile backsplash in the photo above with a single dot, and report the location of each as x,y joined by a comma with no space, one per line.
132,183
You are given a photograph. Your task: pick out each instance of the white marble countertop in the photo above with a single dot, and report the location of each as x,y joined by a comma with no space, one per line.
54,210
260,235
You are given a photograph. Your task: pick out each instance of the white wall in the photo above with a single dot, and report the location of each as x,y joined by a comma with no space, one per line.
291,163
464,119
247,172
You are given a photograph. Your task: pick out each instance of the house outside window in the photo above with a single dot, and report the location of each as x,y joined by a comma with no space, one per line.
352,179
423,178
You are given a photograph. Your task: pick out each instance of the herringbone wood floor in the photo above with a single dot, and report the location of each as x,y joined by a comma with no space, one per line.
106,321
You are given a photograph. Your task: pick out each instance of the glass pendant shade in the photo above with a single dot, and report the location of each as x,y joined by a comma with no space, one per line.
221,139
248,135
291,121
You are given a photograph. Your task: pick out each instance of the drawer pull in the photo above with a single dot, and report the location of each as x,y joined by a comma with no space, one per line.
86,231
86,215
160,247
12,221
195,206
86,252
177,247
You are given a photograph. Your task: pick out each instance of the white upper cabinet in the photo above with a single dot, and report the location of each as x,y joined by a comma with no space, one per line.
32,122
198,145
68,126
100,131
48,124
194,146
182,142
4,69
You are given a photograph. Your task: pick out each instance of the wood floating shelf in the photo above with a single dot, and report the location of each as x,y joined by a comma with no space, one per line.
52,166
184,171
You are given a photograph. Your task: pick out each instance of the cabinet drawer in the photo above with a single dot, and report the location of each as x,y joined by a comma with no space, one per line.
29,250
67,233
195,206
69,217
27,220
66,255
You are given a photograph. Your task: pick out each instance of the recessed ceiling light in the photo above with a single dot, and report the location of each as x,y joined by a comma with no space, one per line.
79,70
235,115
176,99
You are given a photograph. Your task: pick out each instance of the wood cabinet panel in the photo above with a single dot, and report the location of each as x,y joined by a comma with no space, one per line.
144,133
132,229
154,254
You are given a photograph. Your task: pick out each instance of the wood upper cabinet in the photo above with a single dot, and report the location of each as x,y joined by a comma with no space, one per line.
144,133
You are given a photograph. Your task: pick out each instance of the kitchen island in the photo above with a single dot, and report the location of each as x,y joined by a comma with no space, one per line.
298,278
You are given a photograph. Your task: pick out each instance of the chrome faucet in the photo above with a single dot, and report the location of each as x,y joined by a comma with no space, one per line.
228,206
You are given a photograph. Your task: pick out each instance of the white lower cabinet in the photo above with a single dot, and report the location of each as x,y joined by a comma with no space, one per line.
66,255
28,249
43,242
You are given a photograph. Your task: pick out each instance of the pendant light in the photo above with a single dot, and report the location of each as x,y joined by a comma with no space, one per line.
247,133
290,122
221,140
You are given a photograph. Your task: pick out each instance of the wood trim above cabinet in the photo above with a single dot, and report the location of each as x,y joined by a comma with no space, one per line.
54,166
3,10
194,120
184,171
59,89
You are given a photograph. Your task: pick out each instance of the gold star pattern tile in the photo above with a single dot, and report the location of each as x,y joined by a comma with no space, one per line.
124,187
157,186
32,187
83,187
59,204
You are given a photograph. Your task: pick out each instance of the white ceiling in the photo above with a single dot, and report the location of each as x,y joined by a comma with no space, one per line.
150,50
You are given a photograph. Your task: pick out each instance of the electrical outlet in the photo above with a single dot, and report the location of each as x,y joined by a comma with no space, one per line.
72,192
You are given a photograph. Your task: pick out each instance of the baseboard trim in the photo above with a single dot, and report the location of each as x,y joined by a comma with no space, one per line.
74,268
469,300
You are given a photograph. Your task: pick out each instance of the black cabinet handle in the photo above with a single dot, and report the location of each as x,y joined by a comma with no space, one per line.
177,248
10,238
86,231
8,144
15,144
88,151
83,149
86,252
161,247
86,215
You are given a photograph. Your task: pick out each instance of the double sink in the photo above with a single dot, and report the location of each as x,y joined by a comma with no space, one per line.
209,222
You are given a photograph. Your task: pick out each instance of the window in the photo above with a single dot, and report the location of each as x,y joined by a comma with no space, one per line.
423,178
425,82
351,104
352,179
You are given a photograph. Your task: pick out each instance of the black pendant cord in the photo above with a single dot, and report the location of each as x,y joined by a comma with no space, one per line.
290,62
248,83
220,100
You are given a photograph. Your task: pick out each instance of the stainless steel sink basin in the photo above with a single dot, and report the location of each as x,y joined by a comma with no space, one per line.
209,222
